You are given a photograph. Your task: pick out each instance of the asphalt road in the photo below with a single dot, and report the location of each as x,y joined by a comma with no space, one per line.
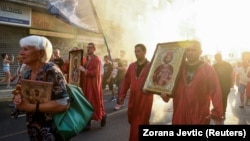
117,127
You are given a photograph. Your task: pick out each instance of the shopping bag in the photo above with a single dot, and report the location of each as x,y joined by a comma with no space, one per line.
71,122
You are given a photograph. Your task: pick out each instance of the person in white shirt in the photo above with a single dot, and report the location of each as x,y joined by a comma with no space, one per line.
242,79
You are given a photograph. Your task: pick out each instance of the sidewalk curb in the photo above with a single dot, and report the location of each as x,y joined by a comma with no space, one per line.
5,94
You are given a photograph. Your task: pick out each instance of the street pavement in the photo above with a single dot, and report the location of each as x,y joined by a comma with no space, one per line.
15,129
117,127
234,114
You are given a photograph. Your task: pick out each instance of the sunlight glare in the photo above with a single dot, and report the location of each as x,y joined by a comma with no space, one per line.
220,25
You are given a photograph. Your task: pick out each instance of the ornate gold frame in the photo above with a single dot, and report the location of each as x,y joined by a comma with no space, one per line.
177,50
75,56
36,91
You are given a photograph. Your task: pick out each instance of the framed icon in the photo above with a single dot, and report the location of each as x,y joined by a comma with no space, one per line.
36,91
75,60
165,66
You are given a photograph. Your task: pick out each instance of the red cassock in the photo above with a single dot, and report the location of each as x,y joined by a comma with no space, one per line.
192,101
92,86
140,103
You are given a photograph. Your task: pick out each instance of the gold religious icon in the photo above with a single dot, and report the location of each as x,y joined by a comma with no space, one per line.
36,91
75,60
165,67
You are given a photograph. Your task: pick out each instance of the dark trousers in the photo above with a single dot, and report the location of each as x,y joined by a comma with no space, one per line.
225,94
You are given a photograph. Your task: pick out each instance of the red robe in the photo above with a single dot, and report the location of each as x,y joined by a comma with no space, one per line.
92,86
140,103
192,101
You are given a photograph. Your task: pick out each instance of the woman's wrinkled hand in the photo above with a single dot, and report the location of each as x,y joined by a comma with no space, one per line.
17,99
21,103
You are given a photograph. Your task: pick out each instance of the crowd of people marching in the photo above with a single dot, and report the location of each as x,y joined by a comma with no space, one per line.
199,83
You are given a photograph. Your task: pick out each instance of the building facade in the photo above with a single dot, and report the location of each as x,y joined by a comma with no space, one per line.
22,18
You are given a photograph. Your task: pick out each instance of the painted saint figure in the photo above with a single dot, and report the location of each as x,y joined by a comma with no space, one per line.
164,72
75,71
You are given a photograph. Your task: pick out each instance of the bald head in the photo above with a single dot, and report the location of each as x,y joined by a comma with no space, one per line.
57,53
193,52
218,57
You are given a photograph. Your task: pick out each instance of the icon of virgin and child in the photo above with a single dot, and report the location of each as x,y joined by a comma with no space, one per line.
163,73
75,74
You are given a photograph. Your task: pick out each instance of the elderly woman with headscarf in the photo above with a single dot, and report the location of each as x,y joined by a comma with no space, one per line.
36,52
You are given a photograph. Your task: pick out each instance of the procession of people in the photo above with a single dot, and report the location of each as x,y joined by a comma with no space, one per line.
199,84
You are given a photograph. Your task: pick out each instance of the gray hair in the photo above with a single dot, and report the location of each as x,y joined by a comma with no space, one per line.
39,43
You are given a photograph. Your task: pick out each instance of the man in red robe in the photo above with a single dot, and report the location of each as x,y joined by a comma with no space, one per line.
197,86
140,103
92,84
